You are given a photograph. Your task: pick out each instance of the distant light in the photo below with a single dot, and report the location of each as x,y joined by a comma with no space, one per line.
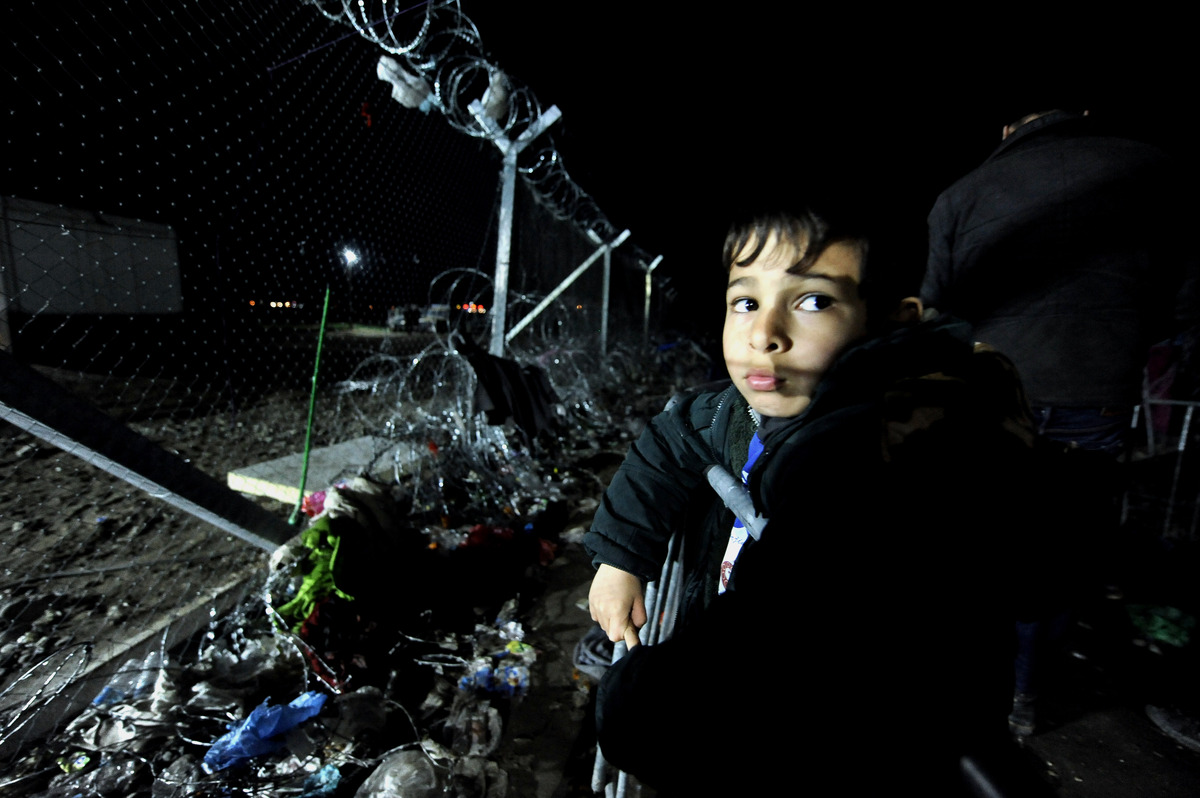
350,255
272,304
579,307
287,304
251,303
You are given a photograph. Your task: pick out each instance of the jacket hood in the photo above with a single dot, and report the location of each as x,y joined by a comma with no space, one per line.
865,370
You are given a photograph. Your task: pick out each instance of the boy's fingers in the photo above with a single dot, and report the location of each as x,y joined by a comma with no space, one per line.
612,628
631,636
638,612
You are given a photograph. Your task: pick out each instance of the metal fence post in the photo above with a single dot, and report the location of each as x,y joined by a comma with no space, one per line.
508,187
646,310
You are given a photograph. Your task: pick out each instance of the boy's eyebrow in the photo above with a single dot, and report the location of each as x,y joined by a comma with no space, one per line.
817,276
841,280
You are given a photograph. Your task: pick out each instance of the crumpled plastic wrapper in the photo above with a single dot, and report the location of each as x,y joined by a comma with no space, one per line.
403,774
112,777
474,728
475,776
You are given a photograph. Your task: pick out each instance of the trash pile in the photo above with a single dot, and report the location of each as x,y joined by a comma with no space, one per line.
384,650
376,653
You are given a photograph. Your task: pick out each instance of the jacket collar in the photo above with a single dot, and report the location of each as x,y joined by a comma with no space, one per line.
1033,128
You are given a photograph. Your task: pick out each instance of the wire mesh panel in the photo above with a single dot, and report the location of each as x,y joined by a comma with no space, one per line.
185,185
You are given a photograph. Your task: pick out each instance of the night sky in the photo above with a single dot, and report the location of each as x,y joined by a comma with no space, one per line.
673,119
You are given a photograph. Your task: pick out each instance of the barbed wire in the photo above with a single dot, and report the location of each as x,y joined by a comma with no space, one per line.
441,51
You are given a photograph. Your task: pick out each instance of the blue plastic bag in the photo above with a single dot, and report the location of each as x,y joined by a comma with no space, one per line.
259,733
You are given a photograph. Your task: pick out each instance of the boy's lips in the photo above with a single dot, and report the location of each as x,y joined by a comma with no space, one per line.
762,380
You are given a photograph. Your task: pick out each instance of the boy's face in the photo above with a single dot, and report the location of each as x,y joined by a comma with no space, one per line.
783,330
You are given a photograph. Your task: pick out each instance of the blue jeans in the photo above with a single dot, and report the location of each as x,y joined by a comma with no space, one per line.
1095,429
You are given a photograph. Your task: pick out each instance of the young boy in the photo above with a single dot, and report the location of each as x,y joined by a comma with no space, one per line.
872,448
793,304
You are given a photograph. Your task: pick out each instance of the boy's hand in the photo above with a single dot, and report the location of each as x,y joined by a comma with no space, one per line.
616,603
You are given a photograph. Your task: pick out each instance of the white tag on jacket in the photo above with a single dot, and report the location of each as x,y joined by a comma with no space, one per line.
738,535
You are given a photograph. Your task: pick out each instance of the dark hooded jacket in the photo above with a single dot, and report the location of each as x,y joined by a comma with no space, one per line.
877,606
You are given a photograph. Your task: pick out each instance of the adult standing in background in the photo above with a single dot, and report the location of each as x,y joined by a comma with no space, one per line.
1065,251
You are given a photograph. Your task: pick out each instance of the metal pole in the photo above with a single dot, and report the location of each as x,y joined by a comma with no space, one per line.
1183,436
563,286
508,178
646,310
8,270
508,183
604,301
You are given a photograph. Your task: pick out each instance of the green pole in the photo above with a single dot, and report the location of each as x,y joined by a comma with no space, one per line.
312,405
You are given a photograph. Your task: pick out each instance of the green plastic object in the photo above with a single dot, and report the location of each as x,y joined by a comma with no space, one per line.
312,405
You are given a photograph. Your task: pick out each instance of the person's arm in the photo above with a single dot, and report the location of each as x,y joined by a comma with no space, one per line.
641,508
939,269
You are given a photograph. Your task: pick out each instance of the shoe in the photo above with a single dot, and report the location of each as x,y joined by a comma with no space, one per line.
1180,727
593,654
1023,719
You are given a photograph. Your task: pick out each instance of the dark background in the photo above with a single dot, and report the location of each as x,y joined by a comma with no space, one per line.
675,117
241,126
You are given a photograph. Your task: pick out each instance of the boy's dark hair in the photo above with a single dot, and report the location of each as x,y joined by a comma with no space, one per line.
814,233
804,228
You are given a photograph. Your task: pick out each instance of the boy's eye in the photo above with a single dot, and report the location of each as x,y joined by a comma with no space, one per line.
744,305
815,302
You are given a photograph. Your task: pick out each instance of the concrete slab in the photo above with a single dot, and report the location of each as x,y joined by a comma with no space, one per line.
279,479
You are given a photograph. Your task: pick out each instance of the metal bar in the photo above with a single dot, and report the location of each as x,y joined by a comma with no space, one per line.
1183,436
1133,425
1150,445
54,438
563,286
657,594
47,411
607,281
674,596
508,183
652,600
1175,402
598,768
8,270
548,118
646,310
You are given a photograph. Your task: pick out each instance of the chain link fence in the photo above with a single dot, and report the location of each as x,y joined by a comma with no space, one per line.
186,184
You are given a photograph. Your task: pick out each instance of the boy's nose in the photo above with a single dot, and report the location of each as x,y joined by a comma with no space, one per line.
769,333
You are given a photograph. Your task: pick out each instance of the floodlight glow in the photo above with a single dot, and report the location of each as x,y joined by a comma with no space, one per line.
350,255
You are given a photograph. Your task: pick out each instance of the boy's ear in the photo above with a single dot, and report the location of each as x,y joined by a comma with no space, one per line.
908,311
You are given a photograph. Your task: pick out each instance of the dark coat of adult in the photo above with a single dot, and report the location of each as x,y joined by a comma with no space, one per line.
1063,250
